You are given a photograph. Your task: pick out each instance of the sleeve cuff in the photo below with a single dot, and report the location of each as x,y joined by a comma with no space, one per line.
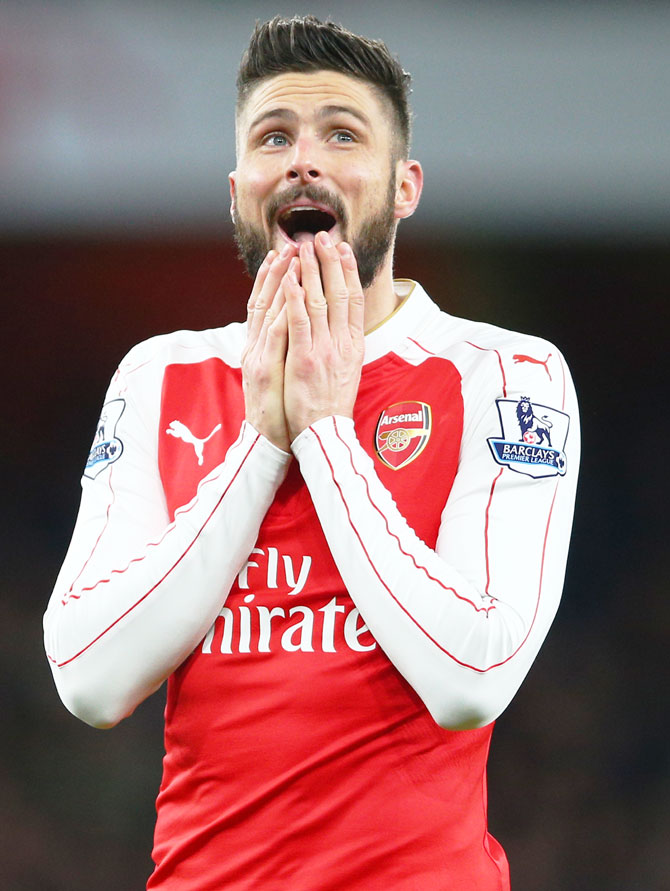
325,428
276,459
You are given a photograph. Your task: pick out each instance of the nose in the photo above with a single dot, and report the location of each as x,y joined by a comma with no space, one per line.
302,167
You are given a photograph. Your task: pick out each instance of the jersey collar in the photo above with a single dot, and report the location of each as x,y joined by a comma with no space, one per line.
408,317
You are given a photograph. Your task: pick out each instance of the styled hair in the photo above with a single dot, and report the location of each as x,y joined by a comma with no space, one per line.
305,44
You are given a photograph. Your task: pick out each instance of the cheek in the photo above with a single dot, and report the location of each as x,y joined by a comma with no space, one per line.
369,191
355,176
252,186
360,189
364,177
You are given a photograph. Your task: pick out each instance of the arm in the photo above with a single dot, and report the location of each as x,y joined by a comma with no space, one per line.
463,623
136,593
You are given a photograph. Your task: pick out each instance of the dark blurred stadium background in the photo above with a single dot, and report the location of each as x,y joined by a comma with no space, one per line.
544,129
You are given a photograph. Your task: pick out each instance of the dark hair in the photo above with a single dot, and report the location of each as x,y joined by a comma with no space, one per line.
304,43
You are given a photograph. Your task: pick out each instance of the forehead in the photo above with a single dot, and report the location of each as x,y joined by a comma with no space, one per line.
305,93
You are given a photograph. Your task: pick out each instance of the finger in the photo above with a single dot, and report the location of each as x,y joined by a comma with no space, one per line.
315,301
277,337
279,298
259,281
254,312
268,288
356,307
334,284
299,325
273,310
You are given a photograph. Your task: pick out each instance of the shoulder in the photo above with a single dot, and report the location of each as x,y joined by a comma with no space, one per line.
493,363
432,331
443,333
187,347
139,376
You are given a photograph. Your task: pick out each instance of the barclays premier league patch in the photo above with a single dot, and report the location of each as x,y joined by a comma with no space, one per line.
533,438
402,433
107,447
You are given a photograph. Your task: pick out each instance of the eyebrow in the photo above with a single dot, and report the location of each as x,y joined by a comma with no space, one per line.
282,113
327,111
330,110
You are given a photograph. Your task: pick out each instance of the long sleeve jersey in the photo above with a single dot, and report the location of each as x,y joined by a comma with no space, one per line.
338,627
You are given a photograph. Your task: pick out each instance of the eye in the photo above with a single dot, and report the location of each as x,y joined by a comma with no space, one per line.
343,137
275,140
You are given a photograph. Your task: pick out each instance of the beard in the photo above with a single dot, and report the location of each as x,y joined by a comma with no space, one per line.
370,244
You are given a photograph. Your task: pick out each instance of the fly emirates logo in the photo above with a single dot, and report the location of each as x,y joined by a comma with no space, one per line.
254,627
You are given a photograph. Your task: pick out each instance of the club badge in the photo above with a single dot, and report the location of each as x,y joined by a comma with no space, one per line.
107,447
533,438
402,433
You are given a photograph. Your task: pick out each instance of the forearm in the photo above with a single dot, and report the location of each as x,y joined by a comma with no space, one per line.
463,650
115,633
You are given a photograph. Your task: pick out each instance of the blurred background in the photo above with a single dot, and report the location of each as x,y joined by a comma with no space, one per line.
544,130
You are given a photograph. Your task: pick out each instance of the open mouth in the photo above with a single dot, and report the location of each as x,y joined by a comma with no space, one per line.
302,223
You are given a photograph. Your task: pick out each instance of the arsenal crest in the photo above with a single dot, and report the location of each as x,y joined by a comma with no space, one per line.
402,433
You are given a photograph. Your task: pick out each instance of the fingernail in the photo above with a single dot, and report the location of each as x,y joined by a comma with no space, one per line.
348,257
326,240
286,250
269,257
309,248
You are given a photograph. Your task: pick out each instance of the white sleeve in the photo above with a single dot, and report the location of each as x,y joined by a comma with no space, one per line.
462,623
136,592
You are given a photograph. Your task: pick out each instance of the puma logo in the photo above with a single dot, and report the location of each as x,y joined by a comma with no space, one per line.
181,431
521,358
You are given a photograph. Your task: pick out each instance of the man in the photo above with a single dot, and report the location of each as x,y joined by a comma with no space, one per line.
342,550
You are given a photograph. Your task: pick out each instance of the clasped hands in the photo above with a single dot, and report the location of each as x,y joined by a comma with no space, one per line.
305,339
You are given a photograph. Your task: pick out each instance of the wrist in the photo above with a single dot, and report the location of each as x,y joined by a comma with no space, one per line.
339,421
278,436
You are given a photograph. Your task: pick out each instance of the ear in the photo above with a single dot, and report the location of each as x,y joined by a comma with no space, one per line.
409,183
231,180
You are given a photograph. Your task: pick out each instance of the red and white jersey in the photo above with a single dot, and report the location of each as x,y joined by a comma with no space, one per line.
339,627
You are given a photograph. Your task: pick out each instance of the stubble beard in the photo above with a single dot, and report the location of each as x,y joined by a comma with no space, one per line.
370,245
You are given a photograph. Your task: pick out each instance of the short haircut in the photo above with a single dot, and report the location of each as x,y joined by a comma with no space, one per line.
306,44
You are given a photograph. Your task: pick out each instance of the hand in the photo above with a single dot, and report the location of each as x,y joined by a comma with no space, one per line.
265,350
325,334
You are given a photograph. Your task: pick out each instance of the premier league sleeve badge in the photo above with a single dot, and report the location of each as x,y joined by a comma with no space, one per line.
532,438
107,447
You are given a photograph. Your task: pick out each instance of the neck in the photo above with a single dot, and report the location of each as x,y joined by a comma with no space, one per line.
381,299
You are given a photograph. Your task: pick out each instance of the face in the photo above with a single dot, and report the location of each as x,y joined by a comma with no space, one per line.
315,152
